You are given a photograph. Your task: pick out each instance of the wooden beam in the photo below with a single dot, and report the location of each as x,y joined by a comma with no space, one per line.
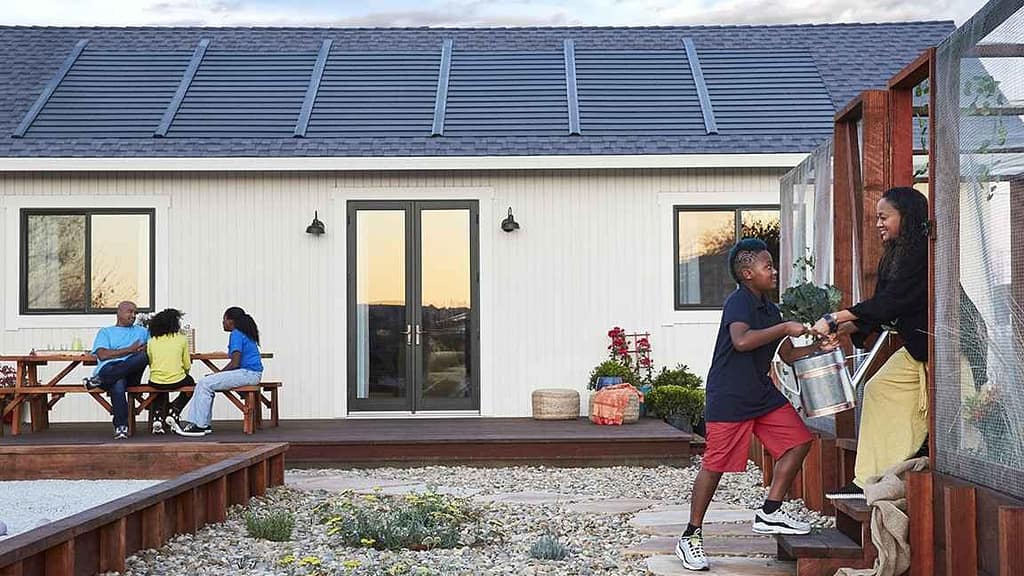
875,162
185,512
900,169
914,73
851,112
154,532
217,500
961,527
1011,541
238,487
16,569
60,559
277,470
112,546
258,478
920,497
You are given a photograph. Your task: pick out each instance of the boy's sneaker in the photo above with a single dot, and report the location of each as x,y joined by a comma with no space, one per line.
690,550
849,492
92,383
121,433
190,429
158,427
778,522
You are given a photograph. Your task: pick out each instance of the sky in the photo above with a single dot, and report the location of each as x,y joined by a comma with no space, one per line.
472,12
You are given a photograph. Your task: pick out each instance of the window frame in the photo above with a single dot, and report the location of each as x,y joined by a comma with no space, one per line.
88,310
737,210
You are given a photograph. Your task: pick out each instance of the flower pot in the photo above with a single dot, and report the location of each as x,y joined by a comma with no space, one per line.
680,422
645,390
603,381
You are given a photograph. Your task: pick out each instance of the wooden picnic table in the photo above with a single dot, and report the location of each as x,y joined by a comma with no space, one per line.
41,397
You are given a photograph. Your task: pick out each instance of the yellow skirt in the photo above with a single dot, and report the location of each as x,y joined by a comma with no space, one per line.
894,419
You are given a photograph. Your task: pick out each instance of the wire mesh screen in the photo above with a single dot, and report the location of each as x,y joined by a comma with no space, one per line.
979,257
805,194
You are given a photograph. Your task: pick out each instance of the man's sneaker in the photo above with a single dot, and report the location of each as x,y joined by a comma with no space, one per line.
779,522
690,550
158,427
121,433
190,429
849,492
92,383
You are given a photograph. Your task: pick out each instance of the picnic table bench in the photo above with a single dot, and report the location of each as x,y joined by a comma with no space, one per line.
41,397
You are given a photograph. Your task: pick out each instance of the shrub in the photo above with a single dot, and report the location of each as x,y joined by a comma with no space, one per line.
680,376
612,368
548,548
672,400
416,522
273,525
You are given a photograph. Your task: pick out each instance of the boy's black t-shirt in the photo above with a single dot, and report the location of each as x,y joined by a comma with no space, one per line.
739,387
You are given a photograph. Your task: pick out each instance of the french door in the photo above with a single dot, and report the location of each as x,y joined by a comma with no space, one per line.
413,306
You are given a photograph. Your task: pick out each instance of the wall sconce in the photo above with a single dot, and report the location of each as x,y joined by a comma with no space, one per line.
509,224
316,227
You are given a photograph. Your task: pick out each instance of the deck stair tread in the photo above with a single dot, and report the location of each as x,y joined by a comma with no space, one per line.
826,543
857,509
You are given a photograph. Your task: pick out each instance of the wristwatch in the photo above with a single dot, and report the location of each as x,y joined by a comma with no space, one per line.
832,326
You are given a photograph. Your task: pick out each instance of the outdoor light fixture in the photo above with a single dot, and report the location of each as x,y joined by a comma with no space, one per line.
509,224
316,227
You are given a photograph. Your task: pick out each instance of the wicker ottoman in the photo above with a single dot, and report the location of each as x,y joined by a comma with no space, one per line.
630,415
556,404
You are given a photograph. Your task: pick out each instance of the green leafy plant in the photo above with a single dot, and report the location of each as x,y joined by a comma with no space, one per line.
547,547
673,400
273,525
416,521
679,376
806,302
612,368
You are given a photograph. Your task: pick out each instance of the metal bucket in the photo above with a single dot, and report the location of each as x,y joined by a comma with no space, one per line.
820,385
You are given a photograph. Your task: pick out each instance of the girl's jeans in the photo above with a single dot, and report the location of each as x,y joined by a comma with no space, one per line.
199,409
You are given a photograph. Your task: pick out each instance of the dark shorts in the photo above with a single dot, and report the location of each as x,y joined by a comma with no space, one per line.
728,443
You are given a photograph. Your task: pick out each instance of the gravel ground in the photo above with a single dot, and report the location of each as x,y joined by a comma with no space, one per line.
594,540
27,504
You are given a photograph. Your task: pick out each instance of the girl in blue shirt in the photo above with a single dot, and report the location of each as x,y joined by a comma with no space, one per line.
244,369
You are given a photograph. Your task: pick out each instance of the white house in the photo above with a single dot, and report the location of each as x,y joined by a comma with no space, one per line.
181,168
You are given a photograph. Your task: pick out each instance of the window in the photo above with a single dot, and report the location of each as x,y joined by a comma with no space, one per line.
703,237
82,261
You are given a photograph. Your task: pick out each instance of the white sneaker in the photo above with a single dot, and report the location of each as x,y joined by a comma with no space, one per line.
690,550
121,433
173,424
778,523
158,427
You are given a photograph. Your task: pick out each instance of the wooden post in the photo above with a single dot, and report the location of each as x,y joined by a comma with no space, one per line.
258,478
112,546
60,559
238,487
16,569
875,136
901,138
961,531
217,500
1011,541
277,470
154,526
846,180
920,501
185,512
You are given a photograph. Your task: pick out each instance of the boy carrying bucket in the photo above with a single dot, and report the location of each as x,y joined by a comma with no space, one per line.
742,400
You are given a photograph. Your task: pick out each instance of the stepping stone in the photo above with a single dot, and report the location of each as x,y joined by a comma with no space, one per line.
748,545
343,483
527,498
611,506
671,566
671,520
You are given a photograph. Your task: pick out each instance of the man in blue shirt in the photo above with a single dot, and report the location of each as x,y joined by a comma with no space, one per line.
121,351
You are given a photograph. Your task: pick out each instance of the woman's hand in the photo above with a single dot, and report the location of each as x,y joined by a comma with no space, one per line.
821,328
846,328
828,343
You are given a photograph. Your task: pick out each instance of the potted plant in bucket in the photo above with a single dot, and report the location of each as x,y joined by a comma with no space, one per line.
806,302
611,372
678,405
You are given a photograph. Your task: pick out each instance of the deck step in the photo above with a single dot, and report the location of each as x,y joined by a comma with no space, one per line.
827,543
856,509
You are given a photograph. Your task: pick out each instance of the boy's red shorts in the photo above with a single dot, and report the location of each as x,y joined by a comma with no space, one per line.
728,443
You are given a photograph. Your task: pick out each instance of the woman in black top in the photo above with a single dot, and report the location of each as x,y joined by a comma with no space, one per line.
894,420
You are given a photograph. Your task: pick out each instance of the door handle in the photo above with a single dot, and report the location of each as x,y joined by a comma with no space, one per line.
419,332
408,334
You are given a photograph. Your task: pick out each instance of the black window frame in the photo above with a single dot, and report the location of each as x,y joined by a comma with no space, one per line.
737,210
88,310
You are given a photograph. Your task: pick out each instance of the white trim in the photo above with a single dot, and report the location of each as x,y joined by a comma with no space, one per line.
10,207
489,234
243,164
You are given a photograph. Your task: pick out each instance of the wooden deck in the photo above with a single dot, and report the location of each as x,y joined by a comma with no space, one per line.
482,441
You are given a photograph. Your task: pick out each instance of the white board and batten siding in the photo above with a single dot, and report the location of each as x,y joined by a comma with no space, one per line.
594,251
